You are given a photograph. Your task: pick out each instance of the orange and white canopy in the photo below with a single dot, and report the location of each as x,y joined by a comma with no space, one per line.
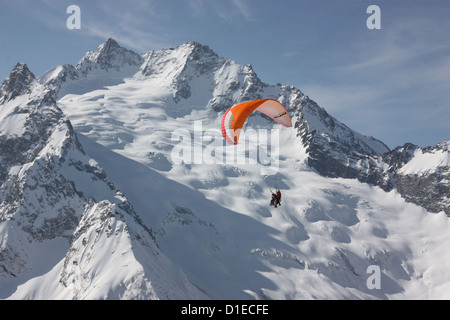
234,117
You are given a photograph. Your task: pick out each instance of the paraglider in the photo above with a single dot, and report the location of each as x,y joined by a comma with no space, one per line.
234,118
276,198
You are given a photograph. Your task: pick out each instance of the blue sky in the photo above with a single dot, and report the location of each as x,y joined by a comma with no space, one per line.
392,83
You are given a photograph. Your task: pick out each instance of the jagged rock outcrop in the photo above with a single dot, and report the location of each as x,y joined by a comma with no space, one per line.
108,56
17,83
335,150
422,175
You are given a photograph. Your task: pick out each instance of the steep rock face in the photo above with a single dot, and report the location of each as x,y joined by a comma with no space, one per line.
234,84
111,242
27,121
36,198
17,83
335,150
422,174
60,212
58,75
196,70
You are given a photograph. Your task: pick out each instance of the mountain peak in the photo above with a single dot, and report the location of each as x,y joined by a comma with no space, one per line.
108,47
198,48
109,55
111,43
22,68
17,83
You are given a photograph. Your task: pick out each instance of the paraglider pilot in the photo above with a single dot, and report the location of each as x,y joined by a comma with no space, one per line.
276,198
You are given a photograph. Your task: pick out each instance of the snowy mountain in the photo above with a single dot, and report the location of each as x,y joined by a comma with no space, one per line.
419,175
91,181
62,221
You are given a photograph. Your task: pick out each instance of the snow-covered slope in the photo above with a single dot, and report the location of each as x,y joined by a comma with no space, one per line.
64,225
214,222
146,225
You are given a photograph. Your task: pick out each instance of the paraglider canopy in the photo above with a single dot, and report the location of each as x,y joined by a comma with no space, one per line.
235,116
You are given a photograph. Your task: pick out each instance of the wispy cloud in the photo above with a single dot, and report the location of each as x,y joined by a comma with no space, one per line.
134,24
244,9
127,35
225,10
196,7
50,13
143,25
